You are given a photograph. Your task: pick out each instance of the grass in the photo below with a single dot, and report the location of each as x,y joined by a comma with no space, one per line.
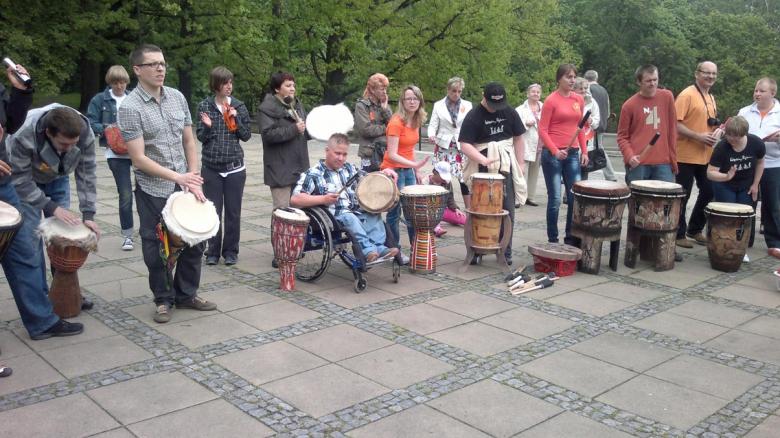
70,99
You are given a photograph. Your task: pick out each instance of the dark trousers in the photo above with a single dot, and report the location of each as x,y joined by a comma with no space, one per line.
186,280
225,192
121,169
770,206
685,177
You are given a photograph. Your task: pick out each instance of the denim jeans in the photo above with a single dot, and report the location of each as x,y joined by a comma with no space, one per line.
120,167
770,206
368,229
554,170
225,192
685,177
406,177
23,272
658,172
722,192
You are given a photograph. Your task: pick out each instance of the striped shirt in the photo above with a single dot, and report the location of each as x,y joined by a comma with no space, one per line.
161,125
320,180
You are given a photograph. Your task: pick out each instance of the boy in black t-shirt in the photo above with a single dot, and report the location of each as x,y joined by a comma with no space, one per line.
737,164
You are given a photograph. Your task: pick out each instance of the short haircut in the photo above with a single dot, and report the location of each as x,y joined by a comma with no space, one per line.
534,85
63,120
581,83
278,78
455,81
699,65
117,73
218,77
591,75
417,119
642,70
374,81
769,81
338,138
563,70
137,57
736,126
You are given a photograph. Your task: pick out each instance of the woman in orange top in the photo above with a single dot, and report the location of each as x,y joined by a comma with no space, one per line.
403,133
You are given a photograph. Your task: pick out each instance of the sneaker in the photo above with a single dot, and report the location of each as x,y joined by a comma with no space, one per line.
389,253
678,257
212,260
476,260
163,313
372,256
197,303
746,259
405,259
60,328
86,304
5,371
274,264
684,243
531,203
698,238
231,260
127,245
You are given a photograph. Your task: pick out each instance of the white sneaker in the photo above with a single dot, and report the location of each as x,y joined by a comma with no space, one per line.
746,259
405,259
128,244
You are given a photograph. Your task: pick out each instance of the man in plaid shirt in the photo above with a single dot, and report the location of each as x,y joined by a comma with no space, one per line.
322,184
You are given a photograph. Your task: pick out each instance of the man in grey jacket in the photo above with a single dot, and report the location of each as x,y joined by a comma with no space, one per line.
54,142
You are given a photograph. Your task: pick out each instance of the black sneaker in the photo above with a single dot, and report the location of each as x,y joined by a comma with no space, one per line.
86,304
274,264
61,328
231,260
212,260
476,260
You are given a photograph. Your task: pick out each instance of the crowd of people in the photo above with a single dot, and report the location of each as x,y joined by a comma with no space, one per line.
149,130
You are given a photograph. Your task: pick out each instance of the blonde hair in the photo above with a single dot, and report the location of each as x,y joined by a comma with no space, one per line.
736,126
117,73
375,80
417,119
771,83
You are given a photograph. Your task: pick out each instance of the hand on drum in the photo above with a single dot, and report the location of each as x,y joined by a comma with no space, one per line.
634,162
391,173
488,161
67,216
189,180
92,225
205,119
197,191
753,191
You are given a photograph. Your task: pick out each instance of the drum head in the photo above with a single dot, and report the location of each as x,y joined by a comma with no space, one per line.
650,185
487,176
730,208
9,215
291,214
601,187
376,192
193,215
423,190
555,251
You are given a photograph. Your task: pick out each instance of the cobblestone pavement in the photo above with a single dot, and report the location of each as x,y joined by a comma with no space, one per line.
688,352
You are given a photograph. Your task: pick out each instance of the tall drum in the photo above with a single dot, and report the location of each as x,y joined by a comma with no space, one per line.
288,233
597,216
653,215
728,234
423,207
487,193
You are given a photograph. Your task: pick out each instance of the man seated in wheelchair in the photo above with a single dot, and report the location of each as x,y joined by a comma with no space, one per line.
322,184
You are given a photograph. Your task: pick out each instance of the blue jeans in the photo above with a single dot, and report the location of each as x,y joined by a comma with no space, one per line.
22,269
406,177
120,167
555,169
368,229
770,206
723,192
658,172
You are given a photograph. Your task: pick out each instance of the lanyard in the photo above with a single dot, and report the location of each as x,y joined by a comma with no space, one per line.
706,108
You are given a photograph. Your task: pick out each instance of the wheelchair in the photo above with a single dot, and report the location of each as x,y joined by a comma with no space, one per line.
325,240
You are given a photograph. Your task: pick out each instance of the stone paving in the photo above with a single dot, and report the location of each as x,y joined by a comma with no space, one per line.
688,352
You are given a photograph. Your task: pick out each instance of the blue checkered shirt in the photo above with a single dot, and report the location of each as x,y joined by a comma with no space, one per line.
320,180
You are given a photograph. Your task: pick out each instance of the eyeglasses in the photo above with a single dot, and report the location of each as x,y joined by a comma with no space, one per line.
154,65
411,99
709,73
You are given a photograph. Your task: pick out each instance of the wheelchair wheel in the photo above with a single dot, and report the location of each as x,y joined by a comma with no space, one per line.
318,249
360,283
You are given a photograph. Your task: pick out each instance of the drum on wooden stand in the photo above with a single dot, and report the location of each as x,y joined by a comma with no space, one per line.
423,207
10,222
728,234
68,247
288,233
486,218
653,216
597,216
377,193
487,193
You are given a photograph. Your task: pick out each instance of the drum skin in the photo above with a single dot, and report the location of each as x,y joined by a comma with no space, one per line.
10,222
728,235
655,207
423,206
288,233
377,193
598,207
487,193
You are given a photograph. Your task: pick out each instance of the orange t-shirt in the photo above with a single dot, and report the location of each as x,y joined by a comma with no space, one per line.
692,113
407,139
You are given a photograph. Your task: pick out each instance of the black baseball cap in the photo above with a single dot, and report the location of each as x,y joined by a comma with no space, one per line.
495,96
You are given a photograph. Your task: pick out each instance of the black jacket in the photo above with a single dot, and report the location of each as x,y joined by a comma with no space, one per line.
222,151
285,153
13,110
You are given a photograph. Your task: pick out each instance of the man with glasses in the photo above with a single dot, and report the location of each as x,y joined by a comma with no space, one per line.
372,112
157,127
697,132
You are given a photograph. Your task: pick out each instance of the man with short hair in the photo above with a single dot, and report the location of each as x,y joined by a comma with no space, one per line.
697,132
157,127
601,97
322,185
644,114
493,125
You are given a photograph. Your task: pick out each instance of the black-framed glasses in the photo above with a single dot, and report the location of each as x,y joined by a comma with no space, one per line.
154,65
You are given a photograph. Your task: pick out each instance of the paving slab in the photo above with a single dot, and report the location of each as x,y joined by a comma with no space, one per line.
681,327
528,322
767,429
269,362
768,297
396,366
124,288
590,303
749,345
713,313
705,376
238,297
346,297
93,329
763,325
71,416
30,371
339,342
216,418
625,292
632,354
472,304
105,274
274,314
418,421
99,354
195,333
478,338
423,318
568,424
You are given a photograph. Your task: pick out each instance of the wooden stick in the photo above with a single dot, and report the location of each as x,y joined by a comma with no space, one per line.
545,284
649,146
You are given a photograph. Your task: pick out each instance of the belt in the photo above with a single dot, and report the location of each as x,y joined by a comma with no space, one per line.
227,167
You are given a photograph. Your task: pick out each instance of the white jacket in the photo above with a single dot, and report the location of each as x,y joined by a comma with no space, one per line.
595,118
763,128
441,127
531,136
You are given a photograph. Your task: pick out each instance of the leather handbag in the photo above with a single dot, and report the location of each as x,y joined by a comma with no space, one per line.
597,159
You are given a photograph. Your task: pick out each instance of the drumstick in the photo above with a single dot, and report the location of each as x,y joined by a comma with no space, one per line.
544,284
519,279
579,128
533,285
536,281
289,101
349,182
516,273
650,145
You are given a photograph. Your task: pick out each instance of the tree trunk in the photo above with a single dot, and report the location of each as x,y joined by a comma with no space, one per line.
90,82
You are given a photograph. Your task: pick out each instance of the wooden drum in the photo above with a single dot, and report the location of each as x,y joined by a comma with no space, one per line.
68,247
189,221
288,233
728,233
423,207
486,229
10,222
487,193
598,208
377,193
655,205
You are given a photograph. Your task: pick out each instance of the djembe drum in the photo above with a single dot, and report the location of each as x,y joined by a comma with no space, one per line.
68,247
288,234
487,218
423,207
597,216
187,222
653,215
728,233
10,222
377,193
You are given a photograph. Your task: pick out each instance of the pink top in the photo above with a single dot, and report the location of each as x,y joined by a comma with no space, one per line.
560,116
